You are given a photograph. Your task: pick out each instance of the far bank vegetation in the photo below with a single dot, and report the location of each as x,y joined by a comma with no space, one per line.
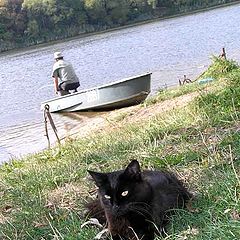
29,22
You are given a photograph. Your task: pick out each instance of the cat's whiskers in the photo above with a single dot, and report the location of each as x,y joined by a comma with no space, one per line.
143,210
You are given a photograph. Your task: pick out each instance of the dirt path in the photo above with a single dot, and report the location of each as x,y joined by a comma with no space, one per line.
109,120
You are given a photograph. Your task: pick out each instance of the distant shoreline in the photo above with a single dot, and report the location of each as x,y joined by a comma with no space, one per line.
130,25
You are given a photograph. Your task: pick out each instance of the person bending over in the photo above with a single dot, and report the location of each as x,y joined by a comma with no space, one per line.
64,76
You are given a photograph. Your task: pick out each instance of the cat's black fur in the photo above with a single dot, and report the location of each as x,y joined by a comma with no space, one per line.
133,203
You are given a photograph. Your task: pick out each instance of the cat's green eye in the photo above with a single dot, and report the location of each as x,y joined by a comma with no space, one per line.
107,196
125,193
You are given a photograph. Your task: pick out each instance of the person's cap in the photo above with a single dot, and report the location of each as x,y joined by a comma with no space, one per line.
58,55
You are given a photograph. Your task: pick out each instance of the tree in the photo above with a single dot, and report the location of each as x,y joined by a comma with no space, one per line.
13,19
69,13
39,13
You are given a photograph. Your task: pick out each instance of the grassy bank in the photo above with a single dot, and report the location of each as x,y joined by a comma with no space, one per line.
42,196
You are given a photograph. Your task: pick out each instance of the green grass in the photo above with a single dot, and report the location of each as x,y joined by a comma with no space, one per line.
165,94
42,196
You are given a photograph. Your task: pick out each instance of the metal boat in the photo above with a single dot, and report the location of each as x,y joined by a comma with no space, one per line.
123,93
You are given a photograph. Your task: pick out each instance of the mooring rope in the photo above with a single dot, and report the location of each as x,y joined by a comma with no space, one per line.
48,116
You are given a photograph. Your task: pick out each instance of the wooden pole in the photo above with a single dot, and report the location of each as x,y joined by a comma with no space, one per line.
48,115
46,128
223,55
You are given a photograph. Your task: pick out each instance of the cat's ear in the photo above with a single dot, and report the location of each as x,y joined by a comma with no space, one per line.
99,178
133,170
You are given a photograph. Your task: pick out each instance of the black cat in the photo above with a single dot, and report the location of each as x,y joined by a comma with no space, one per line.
135,204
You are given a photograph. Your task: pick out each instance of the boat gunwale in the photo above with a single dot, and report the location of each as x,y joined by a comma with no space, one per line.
99,87
142,93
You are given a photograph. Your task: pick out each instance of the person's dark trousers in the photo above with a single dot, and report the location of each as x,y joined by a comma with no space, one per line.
64,88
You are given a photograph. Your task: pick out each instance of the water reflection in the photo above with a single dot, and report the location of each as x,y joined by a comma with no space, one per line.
31,137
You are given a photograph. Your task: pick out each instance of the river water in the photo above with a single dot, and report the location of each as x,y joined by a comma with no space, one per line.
168,48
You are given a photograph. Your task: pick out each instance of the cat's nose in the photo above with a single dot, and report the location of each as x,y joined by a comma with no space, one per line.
115,209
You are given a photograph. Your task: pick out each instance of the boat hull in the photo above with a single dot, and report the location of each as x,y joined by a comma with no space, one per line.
119,94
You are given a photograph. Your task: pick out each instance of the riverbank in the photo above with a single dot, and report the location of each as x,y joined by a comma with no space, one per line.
192,130
129,25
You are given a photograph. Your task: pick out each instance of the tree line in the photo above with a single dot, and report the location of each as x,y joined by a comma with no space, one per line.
29,22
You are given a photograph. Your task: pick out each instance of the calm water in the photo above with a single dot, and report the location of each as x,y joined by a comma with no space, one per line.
169,49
